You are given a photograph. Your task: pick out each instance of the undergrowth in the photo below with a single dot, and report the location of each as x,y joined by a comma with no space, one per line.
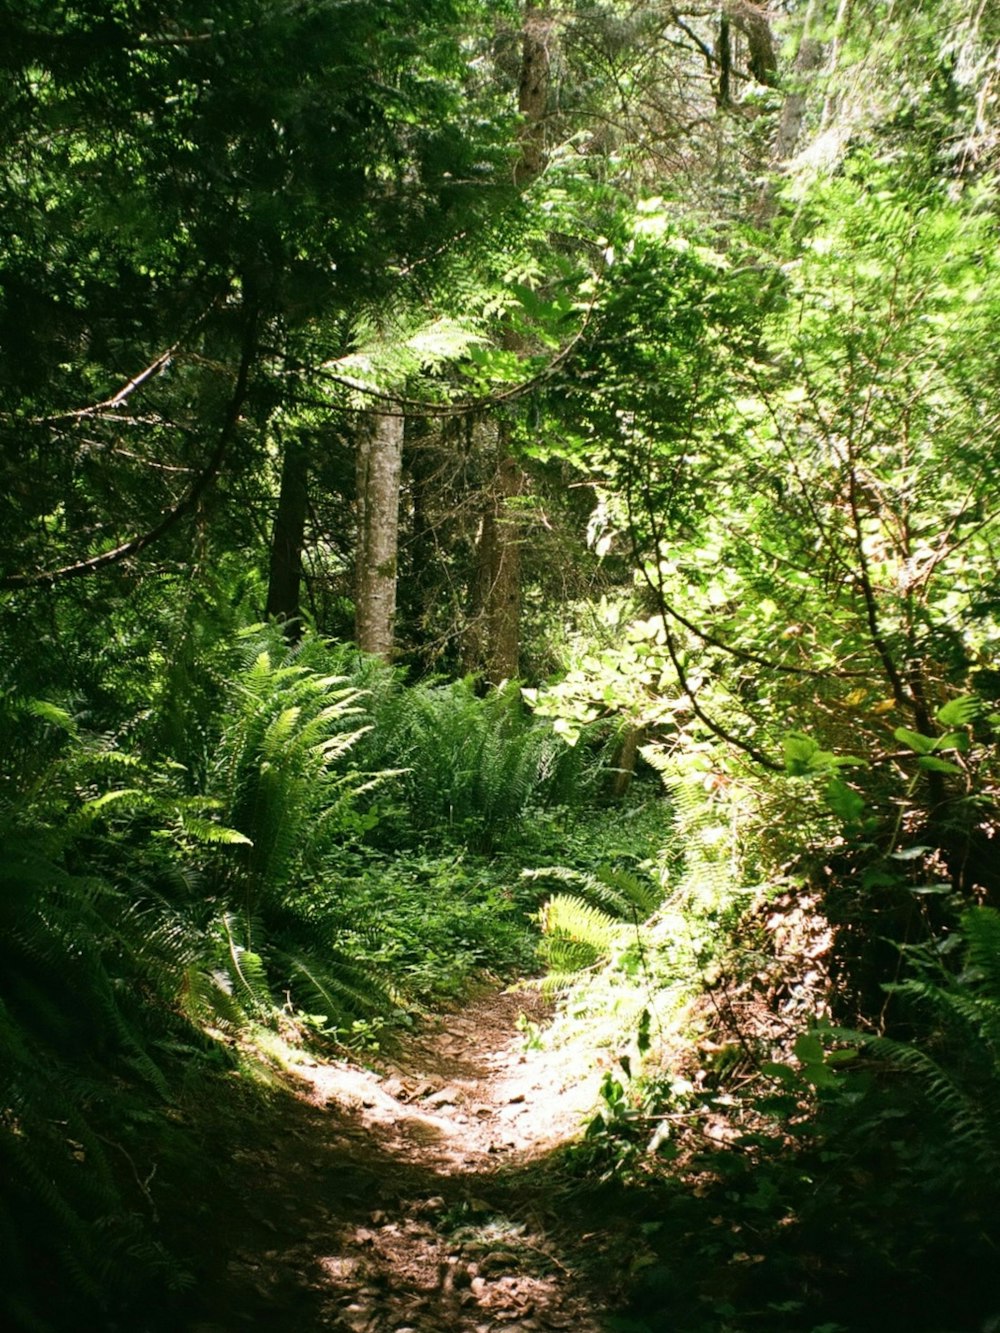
316,853
787,1176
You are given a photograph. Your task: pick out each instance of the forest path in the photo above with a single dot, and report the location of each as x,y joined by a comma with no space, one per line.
411,1198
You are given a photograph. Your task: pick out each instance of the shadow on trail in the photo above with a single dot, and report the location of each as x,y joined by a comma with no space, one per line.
314,1224
311,1222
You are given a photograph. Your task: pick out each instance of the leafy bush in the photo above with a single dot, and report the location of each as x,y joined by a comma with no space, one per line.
471,767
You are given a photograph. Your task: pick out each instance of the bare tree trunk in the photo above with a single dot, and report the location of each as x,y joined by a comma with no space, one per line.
379,465
493,636
623,769
287,537
808,58
751,19
533,92
840,27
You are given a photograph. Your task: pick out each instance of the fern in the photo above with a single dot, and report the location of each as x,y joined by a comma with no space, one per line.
339,985
620,892
956,1064
91,962
566,919
276,776
471,766
587,927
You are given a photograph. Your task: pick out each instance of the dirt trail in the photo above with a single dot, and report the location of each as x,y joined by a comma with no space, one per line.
409,1199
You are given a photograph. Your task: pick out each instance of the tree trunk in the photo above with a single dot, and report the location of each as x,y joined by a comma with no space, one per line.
533,93
807,59
288,534
724,51
493,637
751,19
623,768
379,466
840,26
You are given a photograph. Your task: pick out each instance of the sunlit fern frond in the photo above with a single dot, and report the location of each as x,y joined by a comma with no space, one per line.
279,772
620,892
206,998
568,918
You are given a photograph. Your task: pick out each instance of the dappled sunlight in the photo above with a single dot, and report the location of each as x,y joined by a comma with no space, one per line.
408,1196
473,1093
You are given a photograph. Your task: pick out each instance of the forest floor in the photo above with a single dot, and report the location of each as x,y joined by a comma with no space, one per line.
414,1197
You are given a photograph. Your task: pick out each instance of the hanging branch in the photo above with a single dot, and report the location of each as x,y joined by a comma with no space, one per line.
127,389
184,505
464,407
716,728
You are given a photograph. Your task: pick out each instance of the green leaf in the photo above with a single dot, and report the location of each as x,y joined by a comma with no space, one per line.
961,711
111,798
874,877
910,853
920,744
205,831
798,751
841,1057
935,765
52,713
809,1048
953,740
784,1074
821,1077
844,801
642,1036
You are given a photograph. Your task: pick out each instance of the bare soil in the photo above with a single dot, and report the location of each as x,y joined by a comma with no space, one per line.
412,1197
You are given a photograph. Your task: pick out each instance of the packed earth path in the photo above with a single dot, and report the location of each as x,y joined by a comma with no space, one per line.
412,1197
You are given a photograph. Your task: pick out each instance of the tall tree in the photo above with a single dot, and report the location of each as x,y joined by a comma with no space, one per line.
287,540
191,203
379,468
493,638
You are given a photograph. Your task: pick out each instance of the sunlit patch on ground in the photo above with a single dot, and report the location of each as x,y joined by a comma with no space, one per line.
398,1206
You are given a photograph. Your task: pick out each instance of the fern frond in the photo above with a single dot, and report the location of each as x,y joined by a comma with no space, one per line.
961,1110
341,987
211,834
981,928
569,918
621,893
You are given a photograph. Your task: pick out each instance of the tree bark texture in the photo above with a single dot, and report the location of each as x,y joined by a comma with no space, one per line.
807,60
533,93
379,465
751,19
493,638
287,536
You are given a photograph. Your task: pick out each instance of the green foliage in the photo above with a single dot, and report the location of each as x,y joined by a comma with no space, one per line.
138,915
597,924
219,235
92,963
956,1060
432,921
470,767
279,770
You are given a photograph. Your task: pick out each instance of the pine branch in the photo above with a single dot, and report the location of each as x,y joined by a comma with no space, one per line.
184,505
